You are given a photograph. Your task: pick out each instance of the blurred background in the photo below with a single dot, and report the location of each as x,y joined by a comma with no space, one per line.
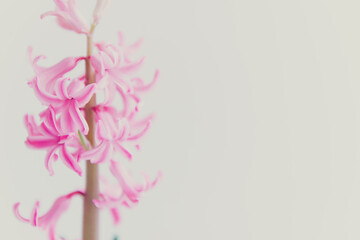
257,129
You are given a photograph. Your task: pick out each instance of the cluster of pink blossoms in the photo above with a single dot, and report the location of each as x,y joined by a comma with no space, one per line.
62,126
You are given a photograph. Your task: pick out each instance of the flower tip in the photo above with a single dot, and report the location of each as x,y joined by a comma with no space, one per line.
16,206
42,16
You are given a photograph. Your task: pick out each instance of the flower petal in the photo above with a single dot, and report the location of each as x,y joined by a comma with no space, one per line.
141,133
50,157
68,16
69,160
41,141
84,96
78,119
122,150
44,97
101,153
18,215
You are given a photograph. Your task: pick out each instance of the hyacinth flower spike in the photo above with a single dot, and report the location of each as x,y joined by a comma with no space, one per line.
75,127
126,193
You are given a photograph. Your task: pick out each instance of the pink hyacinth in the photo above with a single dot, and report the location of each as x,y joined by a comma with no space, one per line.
48,221
68,16
72,112
49,136
112,132
67,99
113,65
48,75
126,193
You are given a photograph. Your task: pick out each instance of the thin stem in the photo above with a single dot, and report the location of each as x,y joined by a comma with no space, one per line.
91,214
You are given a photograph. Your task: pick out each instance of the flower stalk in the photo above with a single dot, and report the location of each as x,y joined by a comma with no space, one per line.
90,212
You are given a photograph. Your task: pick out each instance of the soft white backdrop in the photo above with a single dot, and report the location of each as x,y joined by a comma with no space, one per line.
257,118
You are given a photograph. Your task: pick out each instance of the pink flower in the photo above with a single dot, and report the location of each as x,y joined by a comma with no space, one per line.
49,136
68,16
48,75
49,220
114,66
127,193
67,99
112,132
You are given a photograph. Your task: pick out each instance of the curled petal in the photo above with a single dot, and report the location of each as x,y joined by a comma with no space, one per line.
60,88
101,153
97,64
78,118
44,97
49,124
50,157
129,68
84,96
141,133
69,160
47,75
17,213
131,189
67,124
49,220
34,215
30,125
125,181
140,83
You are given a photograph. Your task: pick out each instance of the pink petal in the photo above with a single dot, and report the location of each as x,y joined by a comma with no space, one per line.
78,119
17,214
69,160
122,150
41,141
142,87
60,88
50,157
129,68
47,75
84,96
68,16
49,122
44,97
34,215
101,153
141,133
97,64
30,125
116,215
125,181
67,124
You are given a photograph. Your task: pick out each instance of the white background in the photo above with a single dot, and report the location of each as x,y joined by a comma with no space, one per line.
257,128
